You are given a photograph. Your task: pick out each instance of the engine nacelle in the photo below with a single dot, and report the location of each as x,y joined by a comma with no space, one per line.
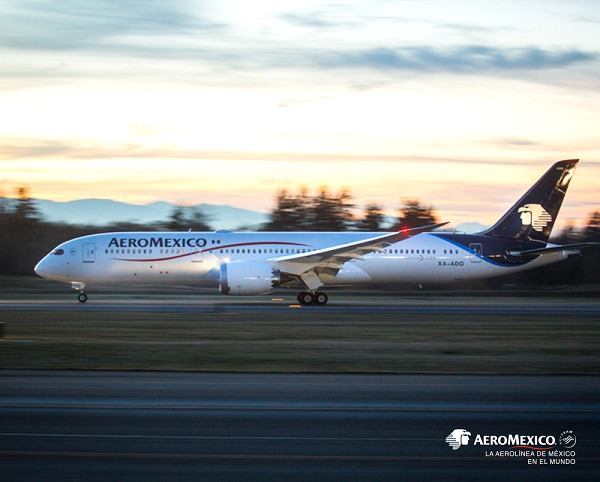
248,278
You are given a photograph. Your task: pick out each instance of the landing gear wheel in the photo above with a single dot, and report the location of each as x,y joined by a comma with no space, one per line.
320,298
82,297
306,298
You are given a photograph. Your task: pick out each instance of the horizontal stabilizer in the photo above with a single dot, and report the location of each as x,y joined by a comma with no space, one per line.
570,248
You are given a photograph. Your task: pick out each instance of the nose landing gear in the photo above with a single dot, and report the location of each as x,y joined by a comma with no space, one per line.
82,297
312,297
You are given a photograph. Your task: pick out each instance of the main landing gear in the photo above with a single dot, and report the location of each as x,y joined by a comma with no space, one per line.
312,297
82,297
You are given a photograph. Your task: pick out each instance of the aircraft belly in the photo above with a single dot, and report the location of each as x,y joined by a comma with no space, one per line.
427,269
182,272
412,270
350,273
146,272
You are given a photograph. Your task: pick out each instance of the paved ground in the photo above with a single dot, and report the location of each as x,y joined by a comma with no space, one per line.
166,426
343,304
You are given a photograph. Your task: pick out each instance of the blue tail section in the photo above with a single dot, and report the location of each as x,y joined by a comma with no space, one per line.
532,217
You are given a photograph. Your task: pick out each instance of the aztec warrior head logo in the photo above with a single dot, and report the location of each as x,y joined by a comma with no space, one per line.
535,216
458,438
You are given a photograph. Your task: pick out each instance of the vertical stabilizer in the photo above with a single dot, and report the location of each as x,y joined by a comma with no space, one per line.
532,217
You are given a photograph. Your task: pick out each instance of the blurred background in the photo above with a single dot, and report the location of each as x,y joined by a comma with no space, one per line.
152,115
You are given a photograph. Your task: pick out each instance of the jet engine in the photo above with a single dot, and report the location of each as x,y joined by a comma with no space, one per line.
248,278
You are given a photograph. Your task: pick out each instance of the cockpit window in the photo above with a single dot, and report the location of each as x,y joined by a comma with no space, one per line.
59,252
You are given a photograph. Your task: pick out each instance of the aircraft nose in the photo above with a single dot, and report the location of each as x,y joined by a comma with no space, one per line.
40,269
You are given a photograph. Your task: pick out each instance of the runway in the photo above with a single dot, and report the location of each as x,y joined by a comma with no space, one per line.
192,426
343,304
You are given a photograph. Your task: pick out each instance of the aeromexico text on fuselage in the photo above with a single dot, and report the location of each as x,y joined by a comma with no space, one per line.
157,242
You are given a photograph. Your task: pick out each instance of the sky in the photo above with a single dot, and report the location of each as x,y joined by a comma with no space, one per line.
460,104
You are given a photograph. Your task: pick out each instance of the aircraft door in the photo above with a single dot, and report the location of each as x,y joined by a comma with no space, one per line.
89,253
478,252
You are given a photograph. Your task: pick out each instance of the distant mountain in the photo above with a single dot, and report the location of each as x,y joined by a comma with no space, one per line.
105,211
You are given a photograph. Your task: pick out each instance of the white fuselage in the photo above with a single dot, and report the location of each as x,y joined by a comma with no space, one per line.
194,258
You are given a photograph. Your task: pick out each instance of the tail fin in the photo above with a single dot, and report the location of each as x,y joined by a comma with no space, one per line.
532,217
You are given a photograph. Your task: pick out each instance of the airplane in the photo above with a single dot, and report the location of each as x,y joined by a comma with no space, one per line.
252,263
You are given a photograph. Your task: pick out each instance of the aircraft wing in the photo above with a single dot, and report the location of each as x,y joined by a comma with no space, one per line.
570,248
308,266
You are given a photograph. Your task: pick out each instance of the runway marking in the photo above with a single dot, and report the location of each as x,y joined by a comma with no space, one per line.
356,458
96,378
302,409
209,437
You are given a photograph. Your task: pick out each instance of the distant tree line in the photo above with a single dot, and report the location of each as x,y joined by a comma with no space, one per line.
25,237
335,212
